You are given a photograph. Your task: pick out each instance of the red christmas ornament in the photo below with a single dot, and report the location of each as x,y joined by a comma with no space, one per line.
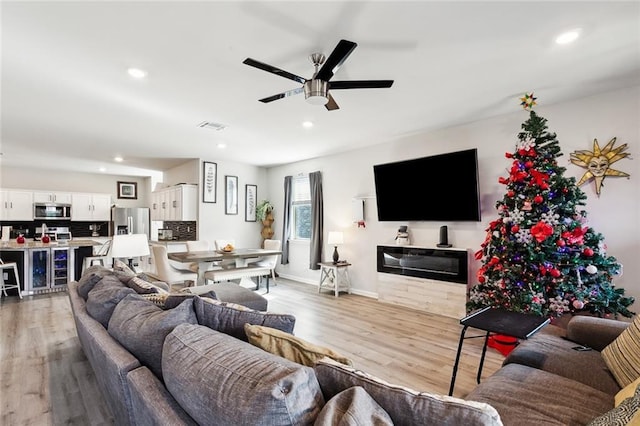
528,164
588,252
565,190
515,228
481,278
555,273
560,243
510,194
538,199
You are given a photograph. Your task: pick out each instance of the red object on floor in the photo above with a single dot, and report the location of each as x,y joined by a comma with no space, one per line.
501,343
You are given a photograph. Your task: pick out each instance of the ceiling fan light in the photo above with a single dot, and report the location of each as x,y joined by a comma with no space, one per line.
315,92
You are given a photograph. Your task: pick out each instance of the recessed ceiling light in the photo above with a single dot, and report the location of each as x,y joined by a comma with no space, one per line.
568,37
222,145
307,124
118,159
137,73
103,169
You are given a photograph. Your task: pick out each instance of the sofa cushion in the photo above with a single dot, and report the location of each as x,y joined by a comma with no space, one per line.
122,271
90,277
622,356
219,379
233,293
529,396
353,407
104,298
622,414
552,353
405,406
289,346
141,327
627,392
231,318
142,286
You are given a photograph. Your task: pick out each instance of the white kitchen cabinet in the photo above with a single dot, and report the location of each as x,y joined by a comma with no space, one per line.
176,203
52,197
88,207
16,204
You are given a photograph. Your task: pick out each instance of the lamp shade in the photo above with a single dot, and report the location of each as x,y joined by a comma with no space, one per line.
335,238
130,245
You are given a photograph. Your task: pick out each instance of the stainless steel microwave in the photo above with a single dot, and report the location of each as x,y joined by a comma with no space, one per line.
51,211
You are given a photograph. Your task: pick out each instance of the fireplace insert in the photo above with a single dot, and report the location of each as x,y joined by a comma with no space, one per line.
438,264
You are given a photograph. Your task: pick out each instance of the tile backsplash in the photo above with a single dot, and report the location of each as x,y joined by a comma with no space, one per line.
182,231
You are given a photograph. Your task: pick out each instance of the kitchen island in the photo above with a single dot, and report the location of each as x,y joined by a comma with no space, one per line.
46,267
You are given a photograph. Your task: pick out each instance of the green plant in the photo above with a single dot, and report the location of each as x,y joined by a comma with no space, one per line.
263,208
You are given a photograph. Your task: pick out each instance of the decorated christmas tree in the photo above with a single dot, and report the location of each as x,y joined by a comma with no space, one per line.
540,256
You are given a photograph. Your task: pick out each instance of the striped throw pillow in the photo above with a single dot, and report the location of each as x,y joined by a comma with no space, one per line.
622,356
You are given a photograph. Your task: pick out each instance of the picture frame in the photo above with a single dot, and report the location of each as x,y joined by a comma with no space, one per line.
128,190
250,200
231,195
209,182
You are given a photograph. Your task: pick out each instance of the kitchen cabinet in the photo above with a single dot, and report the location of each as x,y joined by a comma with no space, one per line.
52,197
88,207
176,203
16,204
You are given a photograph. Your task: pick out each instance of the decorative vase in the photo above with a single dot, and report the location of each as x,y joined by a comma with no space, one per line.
267,231
20,239
45,239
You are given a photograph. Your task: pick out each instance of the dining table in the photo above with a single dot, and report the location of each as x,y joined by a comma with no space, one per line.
204,259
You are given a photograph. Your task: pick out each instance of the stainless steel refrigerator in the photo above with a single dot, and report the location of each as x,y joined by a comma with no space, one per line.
130,220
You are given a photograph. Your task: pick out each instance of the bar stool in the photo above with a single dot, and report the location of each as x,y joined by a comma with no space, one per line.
6,266
99,257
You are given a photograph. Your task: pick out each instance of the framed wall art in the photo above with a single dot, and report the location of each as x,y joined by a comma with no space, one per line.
231,195
128,190
209,179
250,197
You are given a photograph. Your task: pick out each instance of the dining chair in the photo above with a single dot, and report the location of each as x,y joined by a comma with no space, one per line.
166,272
201,245
269,261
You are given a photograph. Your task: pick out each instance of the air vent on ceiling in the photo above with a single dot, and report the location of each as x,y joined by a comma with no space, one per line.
211,125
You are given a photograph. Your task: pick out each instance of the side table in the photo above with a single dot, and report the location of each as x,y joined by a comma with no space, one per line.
334,276
500,321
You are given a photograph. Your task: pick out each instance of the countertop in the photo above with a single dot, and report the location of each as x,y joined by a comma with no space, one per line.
12,245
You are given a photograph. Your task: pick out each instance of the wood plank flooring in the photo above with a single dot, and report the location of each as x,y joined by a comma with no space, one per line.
45,379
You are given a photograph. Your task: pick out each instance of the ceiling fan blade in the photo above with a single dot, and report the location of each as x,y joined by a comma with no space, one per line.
360,84
274,70
336,59
331,105
281,95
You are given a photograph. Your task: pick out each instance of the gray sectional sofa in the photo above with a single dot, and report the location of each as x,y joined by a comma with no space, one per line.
188,362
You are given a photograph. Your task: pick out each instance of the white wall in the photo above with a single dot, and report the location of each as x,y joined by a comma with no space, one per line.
37,179
615,214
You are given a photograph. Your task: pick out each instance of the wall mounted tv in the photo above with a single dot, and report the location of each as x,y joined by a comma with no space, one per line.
436,188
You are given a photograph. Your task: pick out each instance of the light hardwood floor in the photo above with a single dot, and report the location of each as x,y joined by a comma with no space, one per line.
46,379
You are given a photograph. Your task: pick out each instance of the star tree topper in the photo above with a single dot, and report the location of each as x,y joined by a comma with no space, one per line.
528,101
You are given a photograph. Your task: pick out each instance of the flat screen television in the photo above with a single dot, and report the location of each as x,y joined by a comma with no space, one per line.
436,188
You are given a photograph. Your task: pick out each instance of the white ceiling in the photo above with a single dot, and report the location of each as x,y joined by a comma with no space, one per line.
67,101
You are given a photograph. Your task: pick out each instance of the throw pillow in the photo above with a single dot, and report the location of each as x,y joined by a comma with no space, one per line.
622,414
218,379
405,406
622,356
141,328
86,284
289,346
102,301
353,407
230,318
627,391
122,271
142,286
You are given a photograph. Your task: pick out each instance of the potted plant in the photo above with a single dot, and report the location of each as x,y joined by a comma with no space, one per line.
263,208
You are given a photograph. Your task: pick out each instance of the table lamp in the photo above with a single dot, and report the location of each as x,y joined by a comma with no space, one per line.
130,246
335,238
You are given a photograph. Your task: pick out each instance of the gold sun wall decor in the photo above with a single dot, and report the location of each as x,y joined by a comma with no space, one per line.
598,162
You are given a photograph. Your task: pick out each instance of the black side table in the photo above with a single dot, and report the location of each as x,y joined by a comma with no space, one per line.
498,321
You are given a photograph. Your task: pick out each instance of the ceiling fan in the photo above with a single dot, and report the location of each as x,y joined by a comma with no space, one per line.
316,89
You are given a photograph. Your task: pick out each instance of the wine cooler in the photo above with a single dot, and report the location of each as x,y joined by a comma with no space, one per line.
50,269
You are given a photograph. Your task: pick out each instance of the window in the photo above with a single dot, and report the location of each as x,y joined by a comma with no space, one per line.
301,208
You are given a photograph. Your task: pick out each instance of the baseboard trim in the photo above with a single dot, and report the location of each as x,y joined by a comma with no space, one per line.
315,284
